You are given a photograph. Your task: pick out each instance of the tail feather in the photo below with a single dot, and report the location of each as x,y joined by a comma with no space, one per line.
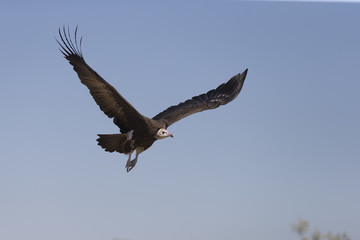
114,142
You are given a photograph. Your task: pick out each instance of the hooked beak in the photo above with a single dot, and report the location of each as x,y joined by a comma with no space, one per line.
170,135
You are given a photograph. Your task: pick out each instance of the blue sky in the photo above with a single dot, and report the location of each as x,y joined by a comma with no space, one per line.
287,147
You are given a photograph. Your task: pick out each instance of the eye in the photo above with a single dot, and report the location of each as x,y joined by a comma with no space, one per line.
163,132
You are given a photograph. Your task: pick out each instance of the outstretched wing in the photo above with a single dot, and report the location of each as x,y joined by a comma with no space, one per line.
126,117
222,95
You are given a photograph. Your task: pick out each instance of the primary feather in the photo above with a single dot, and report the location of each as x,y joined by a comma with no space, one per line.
109,100
222,95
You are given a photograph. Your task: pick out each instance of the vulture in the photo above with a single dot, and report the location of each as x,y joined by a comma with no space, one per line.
137,132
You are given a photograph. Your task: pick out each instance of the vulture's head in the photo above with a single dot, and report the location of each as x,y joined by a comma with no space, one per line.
163,133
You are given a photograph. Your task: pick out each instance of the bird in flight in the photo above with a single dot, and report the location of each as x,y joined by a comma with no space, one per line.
137,132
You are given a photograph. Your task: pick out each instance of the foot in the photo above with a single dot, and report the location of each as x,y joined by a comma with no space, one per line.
130,165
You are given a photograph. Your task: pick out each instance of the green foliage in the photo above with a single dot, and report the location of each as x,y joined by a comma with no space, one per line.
302,229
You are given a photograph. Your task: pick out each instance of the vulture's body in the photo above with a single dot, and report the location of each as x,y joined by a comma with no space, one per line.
138,132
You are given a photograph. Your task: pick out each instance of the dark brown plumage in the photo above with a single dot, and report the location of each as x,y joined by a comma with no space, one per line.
137,131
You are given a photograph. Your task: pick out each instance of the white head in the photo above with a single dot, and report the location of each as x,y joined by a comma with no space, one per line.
163,133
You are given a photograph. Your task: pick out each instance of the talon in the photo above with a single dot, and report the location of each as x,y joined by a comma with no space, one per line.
128,163
131,165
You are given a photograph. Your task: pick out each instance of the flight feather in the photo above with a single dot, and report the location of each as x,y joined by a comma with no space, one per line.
124,115
222,95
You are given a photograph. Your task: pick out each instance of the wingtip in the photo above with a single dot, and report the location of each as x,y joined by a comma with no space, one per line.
243,74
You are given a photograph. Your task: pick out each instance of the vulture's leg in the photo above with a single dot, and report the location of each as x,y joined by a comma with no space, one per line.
128,162
132,164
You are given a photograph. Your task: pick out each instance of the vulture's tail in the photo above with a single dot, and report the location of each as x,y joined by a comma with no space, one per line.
114,142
